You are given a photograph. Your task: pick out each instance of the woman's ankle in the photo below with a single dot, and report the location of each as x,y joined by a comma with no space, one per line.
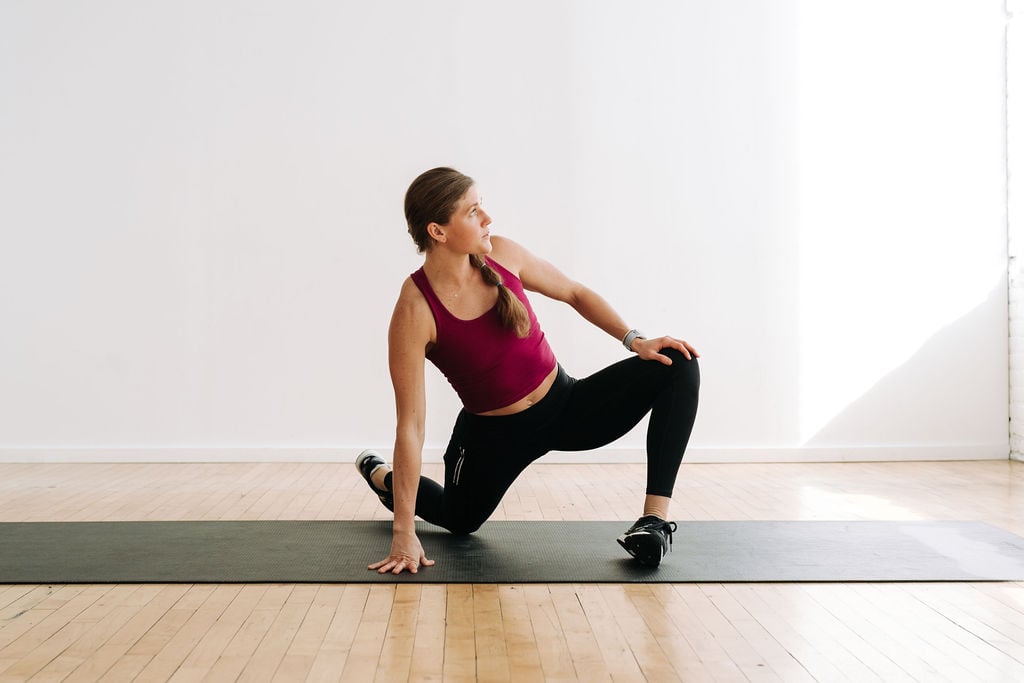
656,506
380,478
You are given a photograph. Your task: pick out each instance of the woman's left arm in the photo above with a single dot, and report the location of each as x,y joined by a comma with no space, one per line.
538,275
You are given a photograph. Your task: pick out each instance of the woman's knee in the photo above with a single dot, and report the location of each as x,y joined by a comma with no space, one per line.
684,371
464,527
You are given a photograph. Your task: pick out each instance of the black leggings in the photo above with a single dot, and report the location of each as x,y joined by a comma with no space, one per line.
487,453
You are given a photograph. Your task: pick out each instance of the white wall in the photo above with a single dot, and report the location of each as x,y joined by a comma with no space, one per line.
1015,157
202,229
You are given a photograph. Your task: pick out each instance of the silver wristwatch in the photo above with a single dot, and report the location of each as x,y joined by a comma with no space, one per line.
631,337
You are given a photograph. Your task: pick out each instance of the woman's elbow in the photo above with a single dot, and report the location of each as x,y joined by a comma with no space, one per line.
410,437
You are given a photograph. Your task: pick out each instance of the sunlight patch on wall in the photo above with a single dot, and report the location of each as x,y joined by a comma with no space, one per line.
900,172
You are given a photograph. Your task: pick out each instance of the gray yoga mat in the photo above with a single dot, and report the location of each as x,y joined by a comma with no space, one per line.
504,552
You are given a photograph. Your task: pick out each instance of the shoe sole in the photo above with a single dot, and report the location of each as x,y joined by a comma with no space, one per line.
364,456
649,555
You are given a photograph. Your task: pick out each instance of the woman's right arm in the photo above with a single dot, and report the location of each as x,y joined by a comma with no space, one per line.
411,330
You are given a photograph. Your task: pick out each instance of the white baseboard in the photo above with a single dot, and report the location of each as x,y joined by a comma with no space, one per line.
604,455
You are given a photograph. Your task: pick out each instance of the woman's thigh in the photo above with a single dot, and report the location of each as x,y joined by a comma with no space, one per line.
478,473
609,403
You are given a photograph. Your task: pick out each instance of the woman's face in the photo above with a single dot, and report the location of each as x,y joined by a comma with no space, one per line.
467,231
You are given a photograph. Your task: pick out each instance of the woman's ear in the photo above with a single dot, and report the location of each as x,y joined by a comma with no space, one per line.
436,231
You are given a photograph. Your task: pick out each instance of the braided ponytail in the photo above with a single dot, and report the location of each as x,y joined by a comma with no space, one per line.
511,310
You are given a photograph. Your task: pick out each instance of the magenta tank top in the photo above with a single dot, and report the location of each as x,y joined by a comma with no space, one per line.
487,364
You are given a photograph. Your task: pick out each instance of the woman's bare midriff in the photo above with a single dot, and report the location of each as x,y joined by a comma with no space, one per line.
533,397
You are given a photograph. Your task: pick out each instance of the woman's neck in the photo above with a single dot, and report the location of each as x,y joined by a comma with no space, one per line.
444,267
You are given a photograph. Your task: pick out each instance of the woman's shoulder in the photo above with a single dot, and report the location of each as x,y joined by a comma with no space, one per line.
411,295
511,255
412,311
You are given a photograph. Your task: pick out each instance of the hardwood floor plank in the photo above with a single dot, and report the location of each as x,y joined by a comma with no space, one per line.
33,640
204,655
668,658
279,635
22,599
428,643
399,639
523,656
69,647
368,643
918,641
492,657
612,643
459,636
332,655
301,655
998,641
770,652
583,648
152,603
785,624
190,634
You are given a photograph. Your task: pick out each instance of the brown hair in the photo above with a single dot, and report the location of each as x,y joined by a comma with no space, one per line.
432,198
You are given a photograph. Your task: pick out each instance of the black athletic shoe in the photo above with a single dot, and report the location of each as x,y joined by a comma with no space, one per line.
367,463
648,539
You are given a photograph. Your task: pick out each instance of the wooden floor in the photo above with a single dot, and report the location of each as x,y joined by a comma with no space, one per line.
560,632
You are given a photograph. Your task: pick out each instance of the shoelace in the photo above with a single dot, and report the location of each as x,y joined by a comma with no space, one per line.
668,528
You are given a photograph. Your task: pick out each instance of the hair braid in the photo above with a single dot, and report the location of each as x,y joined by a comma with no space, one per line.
511,310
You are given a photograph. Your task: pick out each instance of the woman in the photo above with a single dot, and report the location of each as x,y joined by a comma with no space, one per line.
466,311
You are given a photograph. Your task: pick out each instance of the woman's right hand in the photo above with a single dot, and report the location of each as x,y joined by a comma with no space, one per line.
406,553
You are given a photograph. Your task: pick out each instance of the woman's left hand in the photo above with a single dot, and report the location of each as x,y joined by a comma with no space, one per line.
649,349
